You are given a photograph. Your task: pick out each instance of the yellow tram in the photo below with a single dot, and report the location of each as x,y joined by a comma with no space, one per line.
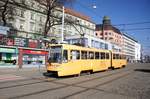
72,59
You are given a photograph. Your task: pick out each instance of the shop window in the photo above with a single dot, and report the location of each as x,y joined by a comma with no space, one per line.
97,55
8,56
83,54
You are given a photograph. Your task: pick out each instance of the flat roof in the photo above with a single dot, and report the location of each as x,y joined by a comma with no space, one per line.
127,35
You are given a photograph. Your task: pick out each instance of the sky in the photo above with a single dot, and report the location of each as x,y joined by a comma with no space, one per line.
136,12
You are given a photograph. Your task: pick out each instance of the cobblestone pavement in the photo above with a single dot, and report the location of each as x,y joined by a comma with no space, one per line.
131,82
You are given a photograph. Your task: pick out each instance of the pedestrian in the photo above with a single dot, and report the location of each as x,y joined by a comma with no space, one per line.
14,62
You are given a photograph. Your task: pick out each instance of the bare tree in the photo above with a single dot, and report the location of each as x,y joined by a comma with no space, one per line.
50,6
7,10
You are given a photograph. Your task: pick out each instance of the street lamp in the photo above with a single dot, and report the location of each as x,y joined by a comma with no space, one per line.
94,6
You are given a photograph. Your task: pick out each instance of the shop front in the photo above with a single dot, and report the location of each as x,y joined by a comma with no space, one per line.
8,57
34,58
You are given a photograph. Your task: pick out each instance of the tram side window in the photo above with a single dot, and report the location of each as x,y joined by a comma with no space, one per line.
114,56
91,55
107,55
75,55
117,56
83,54
102,55
65,56
97,55
121,56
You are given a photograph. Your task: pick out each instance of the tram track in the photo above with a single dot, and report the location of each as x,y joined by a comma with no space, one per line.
92,79
76,85
95,87
25,84
47,80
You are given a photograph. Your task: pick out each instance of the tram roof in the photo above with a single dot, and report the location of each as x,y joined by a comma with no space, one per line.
76,47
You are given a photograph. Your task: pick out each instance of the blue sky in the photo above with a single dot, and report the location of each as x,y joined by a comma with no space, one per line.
121,12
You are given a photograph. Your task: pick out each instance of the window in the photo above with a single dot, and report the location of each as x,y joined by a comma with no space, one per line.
23,1
117,56
40,30
32,26
97,55
120,56
83,55
91,55
107,55
55,54
32,16
114,56
96,34
22,13
40,18
21,27
32,4
65,56
75,55
123,57
102,55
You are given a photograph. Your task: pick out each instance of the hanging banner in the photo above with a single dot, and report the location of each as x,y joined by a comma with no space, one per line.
21,42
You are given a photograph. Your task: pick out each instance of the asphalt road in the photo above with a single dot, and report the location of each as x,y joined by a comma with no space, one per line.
131,82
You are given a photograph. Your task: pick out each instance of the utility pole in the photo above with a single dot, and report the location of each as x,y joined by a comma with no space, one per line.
62,28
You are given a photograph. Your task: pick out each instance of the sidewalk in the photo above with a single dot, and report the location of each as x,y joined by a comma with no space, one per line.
25,72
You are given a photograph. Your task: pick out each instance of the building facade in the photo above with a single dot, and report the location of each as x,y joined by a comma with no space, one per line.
26,44
110,33
89,41
131,48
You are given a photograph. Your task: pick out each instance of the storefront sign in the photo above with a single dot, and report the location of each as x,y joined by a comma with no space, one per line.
20,42
34,52
33,43
10,42
7,50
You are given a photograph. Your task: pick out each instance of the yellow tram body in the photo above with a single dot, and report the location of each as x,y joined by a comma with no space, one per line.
71,60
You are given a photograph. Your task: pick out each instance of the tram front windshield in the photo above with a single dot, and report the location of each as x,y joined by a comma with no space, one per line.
55,54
